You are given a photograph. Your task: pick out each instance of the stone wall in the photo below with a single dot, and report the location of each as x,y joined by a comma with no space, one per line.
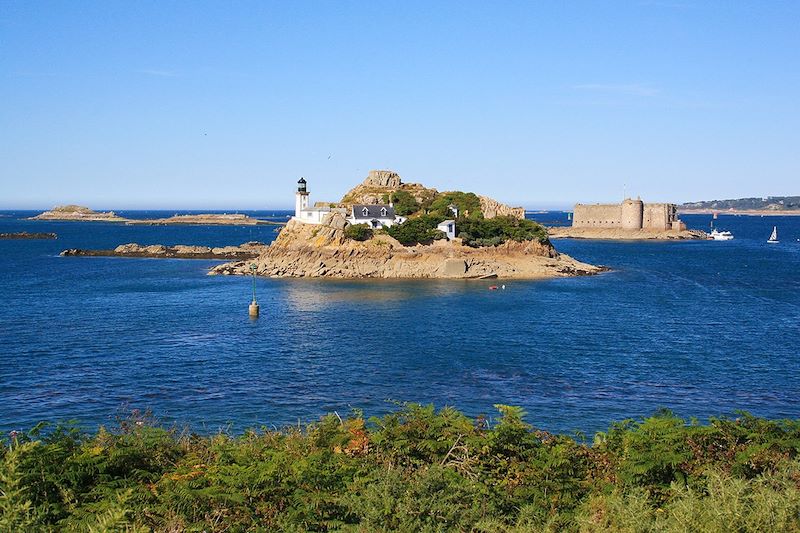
597,216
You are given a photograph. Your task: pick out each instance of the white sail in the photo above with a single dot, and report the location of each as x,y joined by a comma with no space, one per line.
774,236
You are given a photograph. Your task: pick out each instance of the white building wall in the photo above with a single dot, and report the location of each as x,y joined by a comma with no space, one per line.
300,203
449,229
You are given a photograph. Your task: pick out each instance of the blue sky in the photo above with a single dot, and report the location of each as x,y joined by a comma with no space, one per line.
225,105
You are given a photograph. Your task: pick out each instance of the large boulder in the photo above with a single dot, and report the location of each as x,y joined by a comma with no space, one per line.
383,178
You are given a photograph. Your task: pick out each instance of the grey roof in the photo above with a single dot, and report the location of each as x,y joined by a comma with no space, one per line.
373,211
446,222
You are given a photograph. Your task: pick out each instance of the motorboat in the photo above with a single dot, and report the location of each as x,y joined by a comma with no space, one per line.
720,235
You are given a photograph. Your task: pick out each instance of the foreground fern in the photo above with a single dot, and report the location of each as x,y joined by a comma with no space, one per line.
416,469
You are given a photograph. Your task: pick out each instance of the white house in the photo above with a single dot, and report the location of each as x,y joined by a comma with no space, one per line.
375,216
449,228
310,215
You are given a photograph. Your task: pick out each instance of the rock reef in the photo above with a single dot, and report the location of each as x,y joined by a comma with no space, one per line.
84,214
247,250
323,251
623,234
28,235
207,219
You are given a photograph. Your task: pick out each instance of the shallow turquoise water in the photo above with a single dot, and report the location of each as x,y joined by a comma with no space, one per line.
704,328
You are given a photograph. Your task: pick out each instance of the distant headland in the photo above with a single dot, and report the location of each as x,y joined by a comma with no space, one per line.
384,228
770,205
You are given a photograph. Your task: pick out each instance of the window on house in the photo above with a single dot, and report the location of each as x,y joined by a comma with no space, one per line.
383,211
365,211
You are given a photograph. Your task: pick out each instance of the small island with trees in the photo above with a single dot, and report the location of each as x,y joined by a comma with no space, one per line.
384,228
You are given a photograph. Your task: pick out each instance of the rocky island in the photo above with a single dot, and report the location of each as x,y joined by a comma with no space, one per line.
205,219
386,229
84,214
78,213
616,234
247,250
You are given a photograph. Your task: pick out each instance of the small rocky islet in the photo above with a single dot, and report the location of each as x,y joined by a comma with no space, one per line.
247,250
84,214
27,235
325,249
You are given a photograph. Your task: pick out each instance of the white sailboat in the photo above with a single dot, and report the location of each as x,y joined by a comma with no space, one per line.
773,239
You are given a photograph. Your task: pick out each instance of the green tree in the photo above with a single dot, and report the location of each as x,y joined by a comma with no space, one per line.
404,203
468,204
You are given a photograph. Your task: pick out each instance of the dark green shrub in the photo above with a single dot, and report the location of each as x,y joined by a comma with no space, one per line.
479,232
415,469
468,203
358,232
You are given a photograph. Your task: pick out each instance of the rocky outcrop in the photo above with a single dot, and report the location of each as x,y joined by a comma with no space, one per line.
247,250
206,219
383,178
623,234
492,208
79,213
27,235
379,183
304,250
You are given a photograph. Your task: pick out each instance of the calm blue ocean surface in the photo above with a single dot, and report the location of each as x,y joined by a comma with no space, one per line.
703,328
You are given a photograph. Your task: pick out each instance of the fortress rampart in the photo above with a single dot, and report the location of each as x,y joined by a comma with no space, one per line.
629,215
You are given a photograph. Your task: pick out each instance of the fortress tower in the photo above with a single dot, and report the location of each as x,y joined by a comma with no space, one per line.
632,214
300,198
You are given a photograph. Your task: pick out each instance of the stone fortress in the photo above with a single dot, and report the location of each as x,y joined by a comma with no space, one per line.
628,215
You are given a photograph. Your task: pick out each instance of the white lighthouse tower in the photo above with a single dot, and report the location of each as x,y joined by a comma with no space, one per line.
300,198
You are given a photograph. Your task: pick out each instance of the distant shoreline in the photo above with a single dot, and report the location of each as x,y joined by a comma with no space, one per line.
746,212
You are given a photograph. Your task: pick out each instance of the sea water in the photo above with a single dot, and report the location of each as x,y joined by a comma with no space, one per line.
703,328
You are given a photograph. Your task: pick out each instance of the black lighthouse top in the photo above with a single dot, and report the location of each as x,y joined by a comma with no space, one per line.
301,185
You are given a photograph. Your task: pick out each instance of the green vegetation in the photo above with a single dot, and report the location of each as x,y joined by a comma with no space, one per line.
468,204
413,470
404,203
358,232
493,231
475,232
417,230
